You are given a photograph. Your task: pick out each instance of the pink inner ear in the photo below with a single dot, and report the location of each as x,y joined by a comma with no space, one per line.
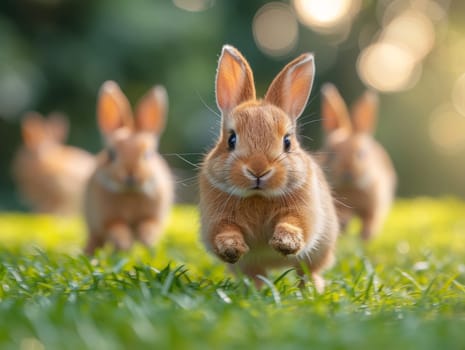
149,117
33,130
151,110
334,110
329,121
299,93
364,113
303,75
291,88
234,80
227,89
109,117
113,108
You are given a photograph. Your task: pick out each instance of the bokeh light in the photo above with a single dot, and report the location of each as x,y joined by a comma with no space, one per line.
394,60
387,67
433,9
325,15
412,30
387,11
275,29
194,5
447,129
458,95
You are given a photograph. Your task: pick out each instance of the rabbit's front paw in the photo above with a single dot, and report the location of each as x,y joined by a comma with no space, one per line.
230,246
287,239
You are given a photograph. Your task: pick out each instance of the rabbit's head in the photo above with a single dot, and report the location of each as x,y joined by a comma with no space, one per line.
127,163
350,152
257,152
39,133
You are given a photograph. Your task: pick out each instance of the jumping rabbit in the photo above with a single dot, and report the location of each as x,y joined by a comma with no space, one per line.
130,194
50,175
358,168
264,201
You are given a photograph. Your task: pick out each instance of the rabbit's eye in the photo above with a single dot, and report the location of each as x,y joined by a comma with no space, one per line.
287,143
111,154
232,141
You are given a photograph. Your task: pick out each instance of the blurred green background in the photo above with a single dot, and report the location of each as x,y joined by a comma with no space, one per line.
55,54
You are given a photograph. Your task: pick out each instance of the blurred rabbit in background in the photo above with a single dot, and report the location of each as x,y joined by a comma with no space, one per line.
358,167
130,194
50,175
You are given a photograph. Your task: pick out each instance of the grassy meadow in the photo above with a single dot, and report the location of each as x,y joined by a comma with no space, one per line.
405,290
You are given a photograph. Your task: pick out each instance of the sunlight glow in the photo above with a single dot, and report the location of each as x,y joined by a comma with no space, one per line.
393,62
434,10
324,15
387,67
412,30
275,29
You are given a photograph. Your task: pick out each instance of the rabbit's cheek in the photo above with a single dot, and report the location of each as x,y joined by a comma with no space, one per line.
239,179
363,181
146,172
218,170
108,182
149,185
276,181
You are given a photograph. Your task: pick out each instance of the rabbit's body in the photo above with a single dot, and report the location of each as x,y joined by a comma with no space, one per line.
104,205
51,176
371,204
130,194
264,201
257,217
360,171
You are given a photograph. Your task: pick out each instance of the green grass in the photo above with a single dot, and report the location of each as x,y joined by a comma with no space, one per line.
404,290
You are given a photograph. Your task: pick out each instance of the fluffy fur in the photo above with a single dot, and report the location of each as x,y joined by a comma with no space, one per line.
264,204
359,169
130,194
50,176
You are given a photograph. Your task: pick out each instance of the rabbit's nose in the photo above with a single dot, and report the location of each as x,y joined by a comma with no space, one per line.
258,175
347,176
130,181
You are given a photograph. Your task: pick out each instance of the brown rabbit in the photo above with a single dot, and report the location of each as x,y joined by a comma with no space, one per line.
358,168
264,201
130,194
50,176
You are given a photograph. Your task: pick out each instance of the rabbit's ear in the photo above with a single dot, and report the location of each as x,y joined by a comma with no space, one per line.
33,130
58,126
364,112
234,80
334,110
113,108
151,111
291,87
